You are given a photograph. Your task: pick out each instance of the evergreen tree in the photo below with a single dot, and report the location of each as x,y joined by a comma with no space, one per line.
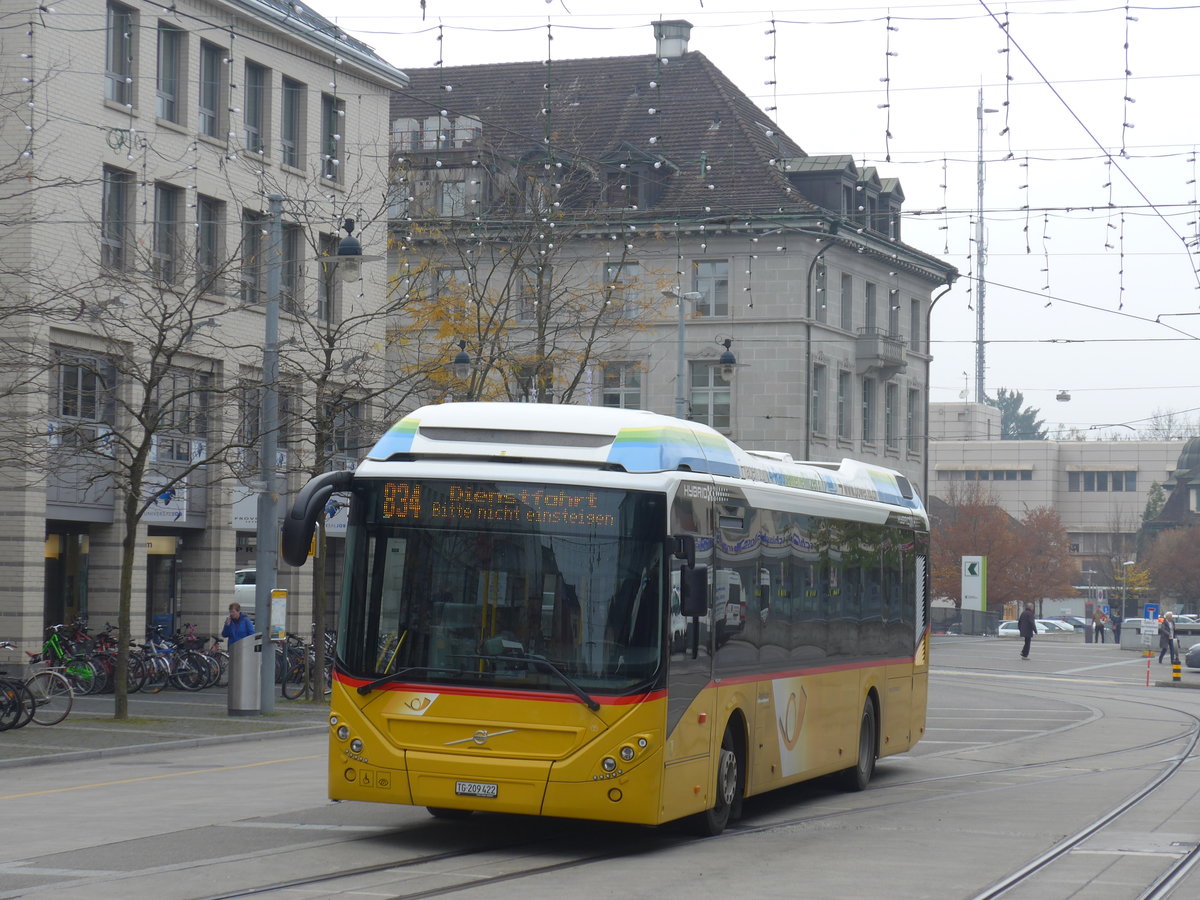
1017,424
1155,501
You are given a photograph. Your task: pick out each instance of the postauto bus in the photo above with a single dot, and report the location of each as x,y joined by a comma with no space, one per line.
537,617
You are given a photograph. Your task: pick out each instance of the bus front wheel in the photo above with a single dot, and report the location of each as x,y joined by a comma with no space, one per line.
858,776
727,801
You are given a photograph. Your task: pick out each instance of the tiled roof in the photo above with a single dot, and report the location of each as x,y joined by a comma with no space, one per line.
702,124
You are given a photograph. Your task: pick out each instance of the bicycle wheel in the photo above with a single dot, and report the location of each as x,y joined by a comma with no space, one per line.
14,704
82,676
52,697
223,665
135,678
158,671
189,673
293,683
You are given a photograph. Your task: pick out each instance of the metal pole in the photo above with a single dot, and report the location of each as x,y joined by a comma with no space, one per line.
680,365
980,262
267,551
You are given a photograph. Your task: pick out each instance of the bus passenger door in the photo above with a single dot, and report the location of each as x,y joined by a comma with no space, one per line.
691,696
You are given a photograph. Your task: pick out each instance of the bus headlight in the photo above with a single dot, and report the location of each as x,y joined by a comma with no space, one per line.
608,764
356,746
627,753
342,733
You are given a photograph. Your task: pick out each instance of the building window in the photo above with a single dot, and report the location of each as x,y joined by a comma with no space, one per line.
847,302
993,475
891,415
531,281
816,422
843,405
622,385
710,277
333,111
291,283
868,410
181,402
210,237
291,124
622,287
170,73
345,432
327,287
452,198
914,324
870,312
116,213
1102,482
913,419
80,395
213,103
710,395
253,246
256,111
821,294
168,207
894,313
118,54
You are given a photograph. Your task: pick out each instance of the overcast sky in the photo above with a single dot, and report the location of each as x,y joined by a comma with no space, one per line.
1090,200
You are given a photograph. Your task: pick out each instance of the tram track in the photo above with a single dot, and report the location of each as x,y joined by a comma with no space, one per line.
1160,889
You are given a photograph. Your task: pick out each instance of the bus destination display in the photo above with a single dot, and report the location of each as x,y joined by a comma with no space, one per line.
457,503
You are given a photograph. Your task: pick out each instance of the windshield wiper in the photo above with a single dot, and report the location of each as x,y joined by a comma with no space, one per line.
396,676
584,697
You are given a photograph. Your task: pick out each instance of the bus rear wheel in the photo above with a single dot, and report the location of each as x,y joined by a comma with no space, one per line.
858,776
727,801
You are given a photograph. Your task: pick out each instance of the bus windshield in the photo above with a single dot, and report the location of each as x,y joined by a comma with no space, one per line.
550,588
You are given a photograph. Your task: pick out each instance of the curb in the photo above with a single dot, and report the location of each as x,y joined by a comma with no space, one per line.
76,755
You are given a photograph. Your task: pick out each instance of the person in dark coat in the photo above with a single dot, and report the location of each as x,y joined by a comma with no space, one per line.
1026,626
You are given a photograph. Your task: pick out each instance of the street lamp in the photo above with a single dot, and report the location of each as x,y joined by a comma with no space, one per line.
461,367
680,368
727,361
1125,588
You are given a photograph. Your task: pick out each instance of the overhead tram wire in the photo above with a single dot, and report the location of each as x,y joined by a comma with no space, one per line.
1110,157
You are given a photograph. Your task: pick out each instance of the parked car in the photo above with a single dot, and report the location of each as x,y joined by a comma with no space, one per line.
1075,622
1192,658
1054,625
1009,628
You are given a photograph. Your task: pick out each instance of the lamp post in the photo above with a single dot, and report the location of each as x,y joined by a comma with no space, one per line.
1125,587
345,265
680,367
461,365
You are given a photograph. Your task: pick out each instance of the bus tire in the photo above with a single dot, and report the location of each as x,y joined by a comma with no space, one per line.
858,776
445,812
727,800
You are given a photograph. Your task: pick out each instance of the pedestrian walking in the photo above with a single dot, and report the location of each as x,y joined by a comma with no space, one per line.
1098,626
1166,638
1026,626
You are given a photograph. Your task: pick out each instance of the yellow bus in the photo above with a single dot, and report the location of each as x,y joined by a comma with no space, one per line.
614,615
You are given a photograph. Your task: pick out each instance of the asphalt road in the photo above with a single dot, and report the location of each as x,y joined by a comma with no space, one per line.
1019,758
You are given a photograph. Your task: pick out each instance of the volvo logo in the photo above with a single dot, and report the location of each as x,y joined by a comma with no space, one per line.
480,738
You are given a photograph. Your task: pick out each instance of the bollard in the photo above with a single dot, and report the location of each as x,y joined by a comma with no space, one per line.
1177,671
244,659
1149,656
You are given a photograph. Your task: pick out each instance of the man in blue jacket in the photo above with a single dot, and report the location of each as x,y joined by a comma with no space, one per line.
237,626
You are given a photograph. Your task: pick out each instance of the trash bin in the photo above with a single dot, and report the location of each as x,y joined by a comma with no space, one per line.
244,680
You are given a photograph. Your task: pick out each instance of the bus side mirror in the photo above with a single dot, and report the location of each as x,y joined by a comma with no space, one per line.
301,520
693,591
685,549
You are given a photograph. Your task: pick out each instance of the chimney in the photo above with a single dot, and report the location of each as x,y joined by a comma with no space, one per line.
671,38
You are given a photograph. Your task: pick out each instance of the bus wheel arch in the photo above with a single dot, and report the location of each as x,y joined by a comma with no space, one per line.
858,776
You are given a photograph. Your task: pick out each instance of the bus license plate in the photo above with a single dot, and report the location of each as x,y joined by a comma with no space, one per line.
475,789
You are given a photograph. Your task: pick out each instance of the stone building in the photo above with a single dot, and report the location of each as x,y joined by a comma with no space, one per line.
142,144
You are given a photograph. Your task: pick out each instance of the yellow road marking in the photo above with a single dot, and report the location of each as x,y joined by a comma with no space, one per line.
102,784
